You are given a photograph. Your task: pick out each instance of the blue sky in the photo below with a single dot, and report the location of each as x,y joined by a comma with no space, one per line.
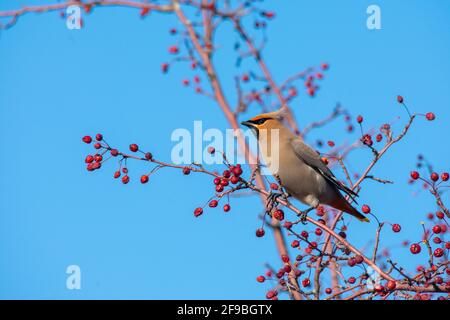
136,241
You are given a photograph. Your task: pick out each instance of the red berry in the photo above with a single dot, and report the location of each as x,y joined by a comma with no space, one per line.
379,288
237,171
234,179
287,224
445,176
211,150
134,147
224,182
438,252
415,175
318,232
270,294
186,170
198,211
285,258
274,186
440,215
226,208
98,158
351,262
278,214
116,174
245,77
144,179
330,143
437,229
89,159
365,208
148,156
144,12
396,227
287,268
260,232
97,145
87,139
125,179
216,181
165,67
391,285
125,170
173,50
306,282
325,66
260,279
379,137
434,176
295,244
226,174
430,116
399,99
99,137
328,291
351,280
304,234
415,248
359,259
114,152
437,240
219,188
359,119
213,203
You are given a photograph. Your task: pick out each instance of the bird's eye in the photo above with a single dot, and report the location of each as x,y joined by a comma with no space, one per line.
260,121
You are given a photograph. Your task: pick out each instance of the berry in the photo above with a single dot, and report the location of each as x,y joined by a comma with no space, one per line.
278,214
213,203
114,152
438,252
399,99
144,12
99,137
219,188
216,181
134,147
234,179
186,170
165,67
351,280
415,175
245,77
434,176
318,232
415,248
260,279
328,291
198,212
87,139
437,229
89,159
440,215
285,258
97,145
173,50
304,234
211,150
125,179
226,208
306,282
274,186
98,158
260,232
365,208
379,137
226,174
445,176
359,259
391,285
325,66
430,116
144,178
295,244
351,262
116,174
379,288
237,171
359,119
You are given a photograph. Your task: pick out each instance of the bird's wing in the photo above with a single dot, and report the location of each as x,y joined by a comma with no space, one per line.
312,159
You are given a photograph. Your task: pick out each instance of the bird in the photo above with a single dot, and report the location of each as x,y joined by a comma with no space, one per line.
300,170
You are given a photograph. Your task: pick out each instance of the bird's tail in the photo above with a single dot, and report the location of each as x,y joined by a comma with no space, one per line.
341,204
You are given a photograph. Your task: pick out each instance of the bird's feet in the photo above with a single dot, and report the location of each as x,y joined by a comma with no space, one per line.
304,214
272,199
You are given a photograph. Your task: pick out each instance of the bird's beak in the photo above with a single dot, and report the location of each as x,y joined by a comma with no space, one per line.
247,124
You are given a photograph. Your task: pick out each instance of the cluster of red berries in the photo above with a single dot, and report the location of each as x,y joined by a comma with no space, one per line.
230,176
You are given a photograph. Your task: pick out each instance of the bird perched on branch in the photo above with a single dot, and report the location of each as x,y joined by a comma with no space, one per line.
299,169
